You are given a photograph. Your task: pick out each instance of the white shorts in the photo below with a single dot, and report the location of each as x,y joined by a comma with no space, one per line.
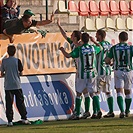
104,83
90,84
123,79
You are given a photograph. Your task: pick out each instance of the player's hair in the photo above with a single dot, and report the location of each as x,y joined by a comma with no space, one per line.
102,33
11,50
85,37
77,34
123,36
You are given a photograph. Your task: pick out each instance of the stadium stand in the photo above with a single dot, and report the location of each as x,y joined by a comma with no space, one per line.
100,24
72,8
89,25
129,23
110,24
62,6
102,13
124,10
114,8
83,8
94,10
120,24
131,7
104,9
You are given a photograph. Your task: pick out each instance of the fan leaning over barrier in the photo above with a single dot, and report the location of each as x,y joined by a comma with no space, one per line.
21,25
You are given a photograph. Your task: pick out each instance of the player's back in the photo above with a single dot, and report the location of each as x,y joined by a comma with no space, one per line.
122,55
87,60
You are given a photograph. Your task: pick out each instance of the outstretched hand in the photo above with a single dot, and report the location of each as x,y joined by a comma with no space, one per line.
61,48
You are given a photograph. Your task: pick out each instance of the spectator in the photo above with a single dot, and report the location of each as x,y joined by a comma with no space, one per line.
21,25
11,68
1,4
10,10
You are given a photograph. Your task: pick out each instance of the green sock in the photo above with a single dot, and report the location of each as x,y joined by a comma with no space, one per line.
128,103
78,104
87,104
110,104
94,107
120,103
96,102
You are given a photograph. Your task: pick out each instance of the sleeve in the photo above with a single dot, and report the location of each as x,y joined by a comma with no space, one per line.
69,40
75,53
20,66
97,49
34,23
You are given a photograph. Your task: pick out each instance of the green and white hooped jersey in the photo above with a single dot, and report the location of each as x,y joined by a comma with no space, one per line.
87,60
122,54
102,67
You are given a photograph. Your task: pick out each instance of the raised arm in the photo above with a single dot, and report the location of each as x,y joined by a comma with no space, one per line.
61,29
97,44
93,40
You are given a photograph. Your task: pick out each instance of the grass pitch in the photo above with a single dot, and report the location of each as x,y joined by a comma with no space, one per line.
113,125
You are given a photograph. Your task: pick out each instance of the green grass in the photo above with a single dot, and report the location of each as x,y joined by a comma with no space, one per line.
113,125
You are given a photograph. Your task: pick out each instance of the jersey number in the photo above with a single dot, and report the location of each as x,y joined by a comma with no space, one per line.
89,62
122,58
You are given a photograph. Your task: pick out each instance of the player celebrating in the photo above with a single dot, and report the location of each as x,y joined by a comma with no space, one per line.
86,71
75,42
104,73
122,54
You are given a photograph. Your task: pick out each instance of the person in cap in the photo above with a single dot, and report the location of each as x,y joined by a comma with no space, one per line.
21,25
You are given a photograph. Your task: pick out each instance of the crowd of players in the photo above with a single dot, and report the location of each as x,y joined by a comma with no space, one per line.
94,65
